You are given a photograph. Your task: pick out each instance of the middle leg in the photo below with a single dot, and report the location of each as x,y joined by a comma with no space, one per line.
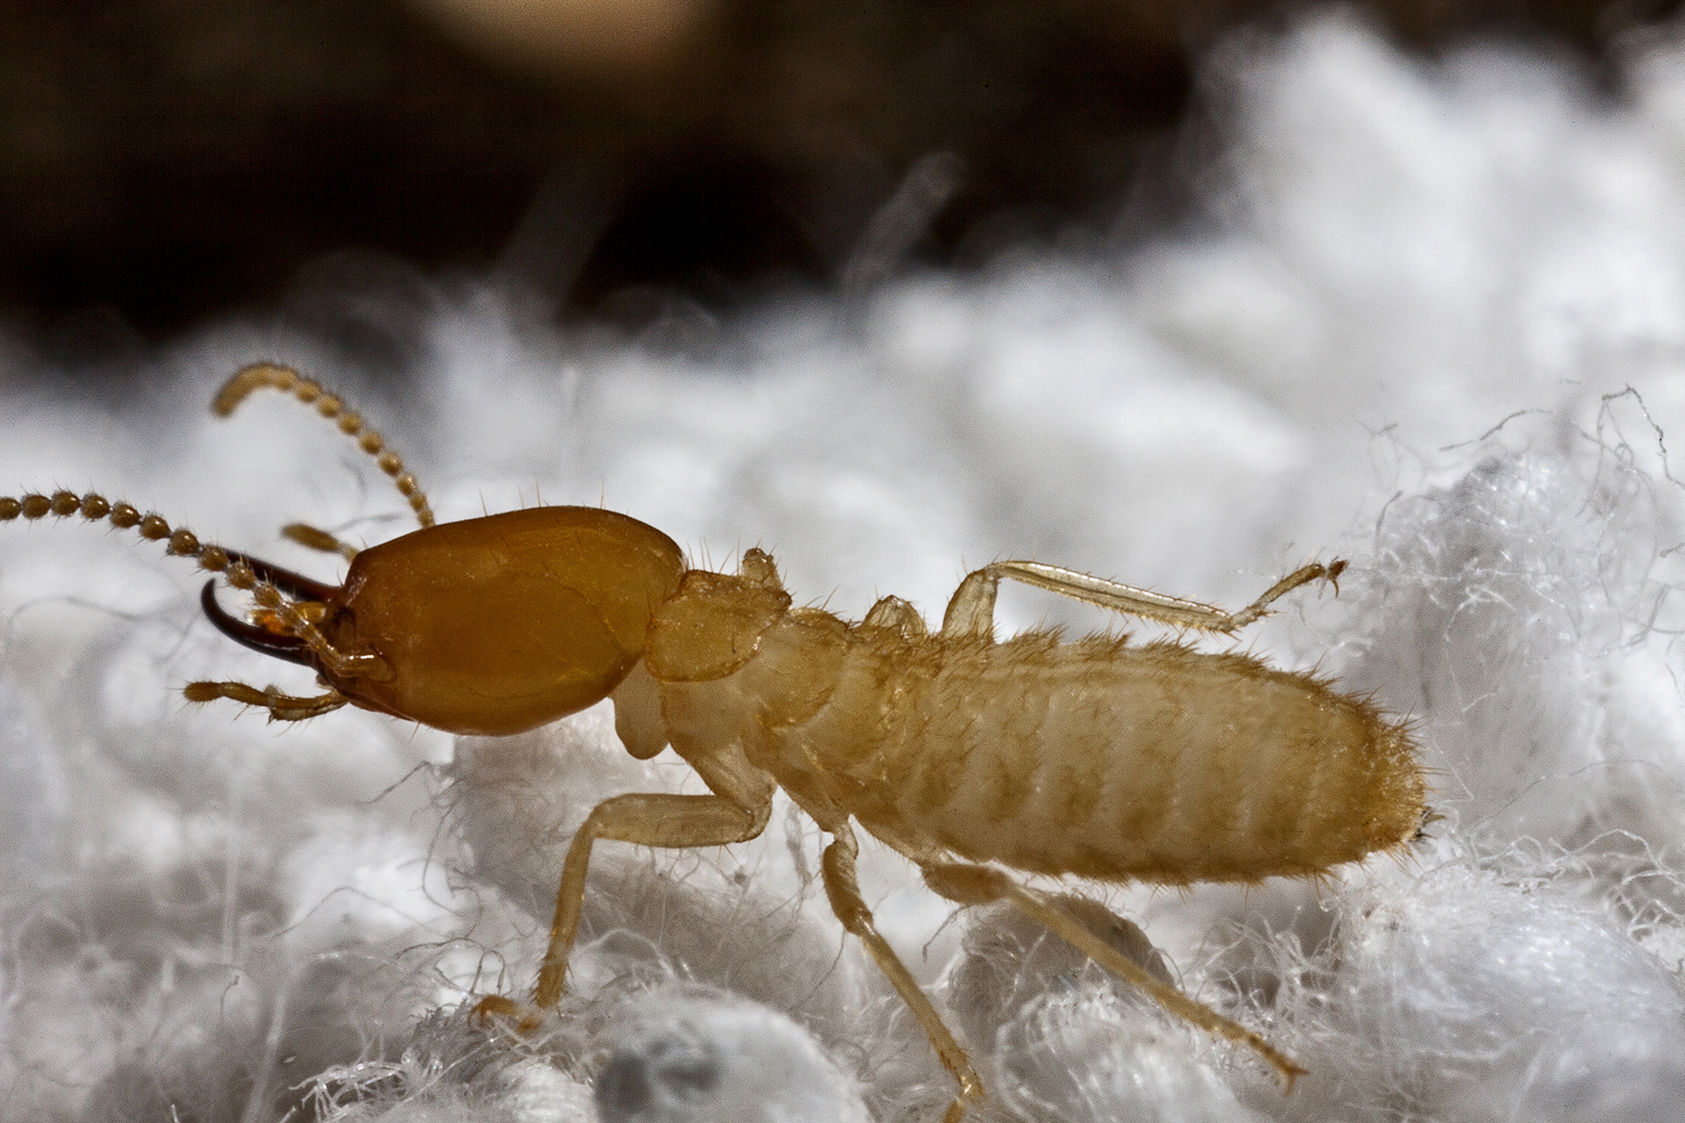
972,609
842,889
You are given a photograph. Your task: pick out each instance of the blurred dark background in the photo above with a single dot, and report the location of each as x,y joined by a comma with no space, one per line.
167,162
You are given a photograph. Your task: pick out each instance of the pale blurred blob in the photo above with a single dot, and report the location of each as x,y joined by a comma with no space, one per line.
583,38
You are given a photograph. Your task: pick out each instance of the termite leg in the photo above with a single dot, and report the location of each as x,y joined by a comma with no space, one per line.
842,889
972,609
281,707
643,819
757,565
975,885
1304,575
317,539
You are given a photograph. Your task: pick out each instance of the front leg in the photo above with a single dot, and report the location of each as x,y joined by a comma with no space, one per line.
644,819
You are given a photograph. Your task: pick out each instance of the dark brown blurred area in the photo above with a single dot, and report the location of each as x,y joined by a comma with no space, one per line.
166,162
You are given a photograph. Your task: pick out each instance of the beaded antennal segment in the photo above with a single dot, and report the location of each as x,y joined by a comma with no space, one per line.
287,380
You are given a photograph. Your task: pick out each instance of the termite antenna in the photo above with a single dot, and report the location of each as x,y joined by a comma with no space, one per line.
273,376
262,581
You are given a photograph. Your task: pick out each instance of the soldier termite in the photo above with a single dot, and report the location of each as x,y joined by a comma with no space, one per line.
1092,758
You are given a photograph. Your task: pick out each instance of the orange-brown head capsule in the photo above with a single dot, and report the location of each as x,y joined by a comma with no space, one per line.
500,624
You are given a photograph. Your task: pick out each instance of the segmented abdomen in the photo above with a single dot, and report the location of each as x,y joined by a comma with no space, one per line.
1154,763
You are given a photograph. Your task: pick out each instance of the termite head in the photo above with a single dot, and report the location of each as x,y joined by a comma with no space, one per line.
490,626
493,626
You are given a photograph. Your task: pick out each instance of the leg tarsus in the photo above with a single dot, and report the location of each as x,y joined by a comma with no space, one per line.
1304,575
526,1018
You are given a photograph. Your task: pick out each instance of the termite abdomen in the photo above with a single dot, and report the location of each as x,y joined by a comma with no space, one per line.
1153,763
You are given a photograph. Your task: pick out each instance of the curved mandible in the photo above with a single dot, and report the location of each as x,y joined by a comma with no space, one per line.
280,645
330,405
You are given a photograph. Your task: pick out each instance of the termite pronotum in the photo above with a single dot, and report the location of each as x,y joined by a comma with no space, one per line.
1094,758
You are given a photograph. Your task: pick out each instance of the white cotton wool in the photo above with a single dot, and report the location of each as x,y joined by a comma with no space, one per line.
1453,230
1524,613
1087,1056
1467,995
1520,615
1058,1037
32,793
456,1067
683,1056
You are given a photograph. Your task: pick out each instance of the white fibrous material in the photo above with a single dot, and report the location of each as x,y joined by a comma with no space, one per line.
1517,1002
683,1057
1433,323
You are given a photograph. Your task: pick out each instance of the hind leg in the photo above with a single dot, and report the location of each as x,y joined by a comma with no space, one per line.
976,885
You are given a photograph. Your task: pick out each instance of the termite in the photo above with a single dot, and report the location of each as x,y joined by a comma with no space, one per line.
1095,758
